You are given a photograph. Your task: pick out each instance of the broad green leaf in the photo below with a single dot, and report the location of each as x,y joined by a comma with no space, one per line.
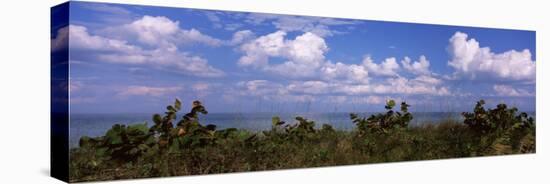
390,104
113,135
101,152
84,141
142,128
177,104
275,120
157,118
171,108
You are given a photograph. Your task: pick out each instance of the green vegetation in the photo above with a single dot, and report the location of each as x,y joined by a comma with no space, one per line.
190,148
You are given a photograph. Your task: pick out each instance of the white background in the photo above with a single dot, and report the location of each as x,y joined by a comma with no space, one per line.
25,72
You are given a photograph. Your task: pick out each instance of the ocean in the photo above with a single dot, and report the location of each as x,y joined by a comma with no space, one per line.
94,125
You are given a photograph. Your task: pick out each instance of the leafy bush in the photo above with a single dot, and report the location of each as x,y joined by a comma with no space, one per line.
189,148
383,122
492,120
501,130
121,143
302,129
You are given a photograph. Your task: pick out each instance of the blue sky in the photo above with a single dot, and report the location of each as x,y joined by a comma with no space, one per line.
139,58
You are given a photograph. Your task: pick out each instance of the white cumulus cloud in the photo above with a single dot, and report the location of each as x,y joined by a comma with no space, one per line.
147,91
388,67
160,31
61,41
79,38
303,55
472,61
317,25
507,90
241,36
397,85
164,57
309,87
268,90
167,59
420,67
342,71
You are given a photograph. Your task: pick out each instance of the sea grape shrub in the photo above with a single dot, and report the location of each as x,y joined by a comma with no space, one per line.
290,131
277,124
383,122
121,144
327,129
194,134
190,148
502,129
188,132
163,127
492,120
277,129
384,134
300,130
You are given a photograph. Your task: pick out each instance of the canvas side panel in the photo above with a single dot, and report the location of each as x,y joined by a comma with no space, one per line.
59,115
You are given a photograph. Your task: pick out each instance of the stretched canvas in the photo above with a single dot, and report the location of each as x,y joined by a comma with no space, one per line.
147,91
